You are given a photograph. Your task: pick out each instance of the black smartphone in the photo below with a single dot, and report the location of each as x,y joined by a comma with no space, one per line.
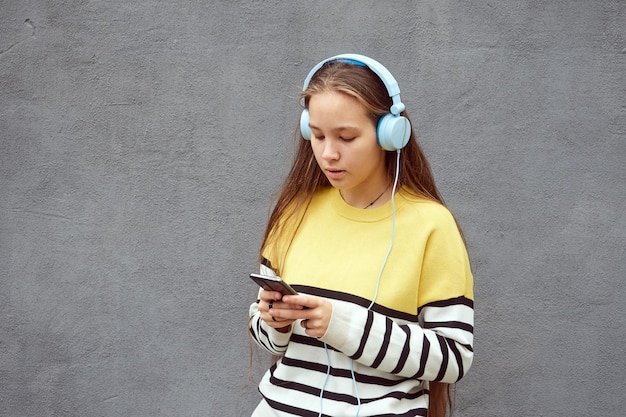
270,283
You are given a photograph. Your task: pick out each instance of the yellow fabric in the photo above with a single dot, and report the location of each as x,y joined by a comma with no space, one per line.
342,248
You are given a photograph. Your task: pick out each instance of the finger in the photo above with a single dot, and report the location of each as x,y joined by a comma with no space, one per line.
270,295
311,329
271,311
301,301
272,320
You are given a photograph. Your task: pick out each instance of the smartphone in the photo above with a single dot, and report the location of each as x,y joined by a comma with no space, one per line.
270,283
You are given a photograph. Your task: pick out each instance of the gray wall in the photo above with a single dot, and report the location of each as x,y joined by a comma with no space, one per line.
140,143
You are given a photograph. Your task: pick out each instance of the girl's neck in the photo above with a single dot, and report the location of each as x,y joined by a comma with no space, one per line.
373,197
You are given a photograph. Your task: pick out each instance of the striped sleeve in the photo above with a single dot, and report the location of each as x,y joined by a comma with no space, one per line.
268,338
265,336
448,328
438,348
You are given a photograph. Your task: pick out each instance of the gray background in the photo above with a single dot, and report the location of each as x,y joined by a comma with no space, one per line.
140,143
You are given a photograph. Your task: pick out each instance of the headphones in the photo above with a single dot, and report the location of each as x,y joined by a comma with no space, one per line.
393,131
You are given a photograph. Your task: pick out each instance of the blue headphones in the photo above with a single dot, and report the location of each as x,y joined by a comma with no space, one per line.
393,131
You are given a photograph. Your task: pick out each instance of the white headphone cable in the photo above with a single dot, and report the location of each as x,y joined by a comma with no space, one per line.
393,228
325,380
380,273
382,267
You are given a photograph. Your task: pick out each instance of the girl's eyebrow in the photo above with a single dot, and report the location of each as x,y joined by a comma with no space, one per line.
337,129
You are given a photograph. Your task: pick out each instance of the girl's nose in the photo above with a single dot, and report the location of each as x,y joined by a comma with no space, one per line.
331,151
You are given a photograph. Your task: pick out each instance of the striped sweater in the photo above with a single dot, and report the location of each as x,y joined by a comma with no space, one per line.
376,358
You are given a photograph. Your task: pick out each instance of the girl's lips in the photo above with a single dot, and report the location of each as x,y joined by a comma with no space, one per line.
335,173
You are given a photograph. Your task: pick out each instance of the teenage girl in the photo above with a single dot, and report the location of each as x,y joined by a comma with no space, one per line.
383,322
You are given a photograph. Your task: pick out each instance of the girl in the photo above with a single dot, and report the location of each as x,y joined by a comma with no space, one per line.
383,321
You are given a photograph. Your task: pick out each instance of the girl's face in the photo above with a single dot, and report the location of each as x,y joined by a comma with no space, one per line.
345,147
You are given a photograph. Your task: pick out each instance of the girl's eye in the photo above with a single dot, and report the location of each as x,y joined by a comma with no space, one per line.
347,139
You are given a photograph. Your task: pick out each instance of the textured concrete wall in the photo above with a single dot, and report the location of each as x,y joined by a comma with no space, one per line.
140,142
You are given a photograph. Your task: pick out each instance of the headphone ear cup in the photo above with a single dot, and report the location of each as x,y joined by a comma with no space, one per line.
393,132
304,125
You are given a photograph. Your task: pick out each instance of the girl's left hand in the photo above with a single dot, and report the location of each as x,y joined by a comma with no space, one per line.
315,313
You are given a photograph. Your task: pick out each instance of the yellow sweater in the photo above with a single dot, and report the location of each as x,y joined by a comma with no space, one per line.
419,329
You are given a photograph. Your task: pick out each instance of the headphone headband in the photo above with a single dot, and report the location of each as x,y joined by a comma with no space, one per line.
383,73
393,131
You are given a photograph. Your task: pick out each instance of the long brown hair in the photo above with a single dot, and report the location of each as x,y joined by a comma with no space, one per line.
305,177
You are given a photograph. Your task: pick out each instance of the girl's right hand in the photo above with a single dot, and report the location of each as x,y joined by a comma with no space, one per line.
270,300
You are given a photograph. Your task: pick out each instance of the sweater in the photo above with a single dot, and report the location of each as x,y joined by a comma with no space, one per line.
388,336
